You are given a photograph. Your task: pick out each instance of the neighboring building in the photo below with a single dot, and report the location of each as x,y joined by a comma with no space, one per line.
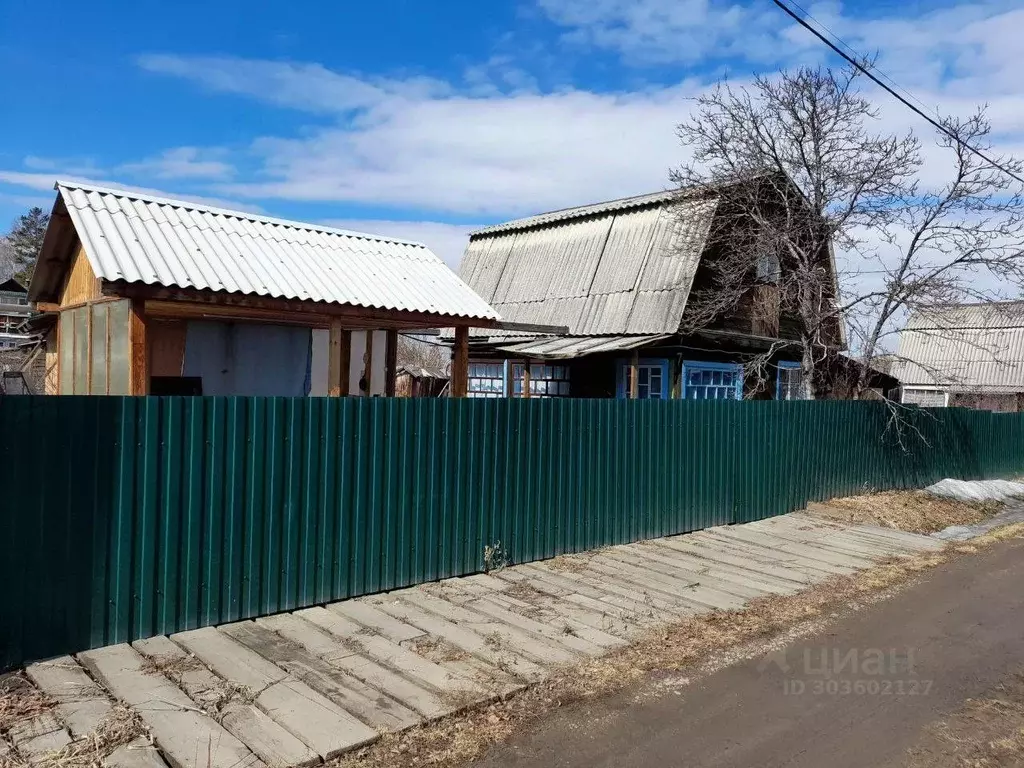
618,275
416,381
157,296
14,311
969,355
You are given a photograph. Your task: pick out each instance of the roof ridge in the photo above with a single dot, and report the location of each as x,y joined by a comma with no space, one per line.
134,194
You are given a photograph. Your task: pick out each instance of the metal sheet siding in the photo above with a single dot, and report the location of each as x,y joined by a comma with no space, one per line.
175,513
174,243
620,269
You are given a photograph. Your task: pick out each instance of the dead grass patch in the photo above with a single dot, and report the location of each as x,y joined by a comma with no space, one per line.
914,511
571,563
686,644
122,726
20,700
986,733
523,590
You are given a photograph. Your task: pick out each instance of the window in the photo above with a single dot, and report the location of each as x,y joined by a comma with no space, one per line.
712,381
486,379
768,269
925,397
790,382
545,380
652,379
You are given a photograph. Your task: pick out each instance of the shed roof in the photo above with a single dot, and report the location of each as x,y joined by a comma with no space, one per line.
964,347
139,238
622,267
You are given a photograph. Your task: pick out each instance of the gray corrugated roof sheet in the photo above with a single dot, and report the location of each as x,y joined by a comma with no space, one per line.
580,211
623,267
964,347
138,238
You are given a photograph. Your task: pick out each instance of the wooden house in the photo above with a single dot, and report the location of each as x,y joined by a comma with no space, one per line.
156,296
619,275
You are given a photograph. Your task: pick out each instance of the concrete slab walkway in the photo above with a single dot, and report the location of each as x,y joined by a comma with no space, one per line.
299,688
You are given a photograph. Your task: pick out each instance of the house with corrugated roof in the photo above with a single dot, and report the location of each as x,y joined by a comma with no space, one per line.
146,295
619,275
968,355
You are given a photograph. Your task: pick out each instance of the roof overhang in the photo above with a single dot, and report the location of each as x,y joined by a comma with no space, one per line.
565,347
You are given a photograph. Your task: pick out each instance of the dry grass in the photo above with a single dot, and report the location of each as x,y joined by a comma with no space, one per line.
986,733
914,511
20,700
122,726
698,644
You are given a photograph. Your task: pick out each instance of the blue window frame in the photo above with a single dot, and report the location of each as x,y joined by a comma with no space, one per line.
789,382
652,379
712,381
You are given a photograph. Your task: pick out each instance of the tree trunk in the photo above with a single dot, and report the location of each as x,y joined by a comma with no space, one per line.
807,369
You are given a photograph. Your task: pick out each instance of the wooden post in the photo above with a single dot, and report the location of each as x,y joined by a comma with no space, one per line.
138,352
459,384
390,362
366,380
526,378
634,370
339,356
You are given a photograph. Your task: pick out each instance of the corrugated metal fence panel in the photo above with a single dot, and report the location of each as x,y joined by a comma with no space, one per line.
129,517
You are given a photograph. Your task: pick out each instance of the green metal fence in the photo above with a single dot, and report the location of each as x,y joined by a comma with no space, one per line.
128,517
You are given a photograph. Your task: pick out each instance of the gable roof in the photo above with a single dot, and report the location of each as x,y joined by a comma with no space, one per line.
622,267
964,347
139,238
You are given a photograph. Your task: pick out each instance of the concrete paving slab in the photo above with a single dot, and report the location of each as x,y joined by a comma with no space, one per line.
612,588
81,703
723,578
363,612
692,592
258,731
467,639
710,551
597,627
291,627
40,749
633,603
808,551
814,569
649,561
532,646
135,754
276,746
393,655
218,650
186,737
364,702
325,727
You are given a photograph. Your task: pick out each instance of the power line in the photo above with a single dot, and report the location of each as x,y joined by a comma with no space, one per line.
803,23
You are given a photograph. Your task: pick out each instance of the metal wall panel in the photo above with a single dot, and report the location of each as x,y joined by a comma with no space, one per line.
129,517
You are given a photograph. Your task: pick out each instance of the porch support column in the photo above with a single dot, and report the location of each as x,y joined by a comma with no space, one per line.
138,360
526,378
634,370
339,354
390,362
459,384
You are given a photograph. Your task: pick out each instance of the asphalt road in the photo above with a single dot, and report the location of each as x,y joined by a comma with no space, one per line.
859,694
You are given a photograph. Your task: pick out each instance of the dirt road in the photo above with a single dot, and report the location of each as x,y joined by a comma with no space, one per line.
876,684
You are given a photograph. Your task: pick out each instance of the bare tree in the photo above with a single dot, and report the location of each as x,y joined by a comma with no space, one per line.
962,242
797,170
423,353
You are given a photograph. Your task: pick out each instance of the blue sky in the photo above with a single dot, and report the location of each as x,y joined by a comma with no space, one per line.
425,119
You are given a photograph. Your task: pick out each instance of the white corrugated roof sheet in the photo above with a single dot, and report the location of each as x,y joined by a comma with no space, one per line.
964,348
142,239
565,347
623,267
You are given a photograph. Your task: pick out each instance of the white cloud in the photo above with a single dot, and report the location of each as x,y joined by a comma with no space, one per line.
427,147
446,240
46,181
182,163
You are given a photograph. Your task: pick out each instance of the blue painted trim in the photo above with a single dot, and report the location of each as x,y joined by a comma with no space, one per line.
623,364
783,365
694,365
